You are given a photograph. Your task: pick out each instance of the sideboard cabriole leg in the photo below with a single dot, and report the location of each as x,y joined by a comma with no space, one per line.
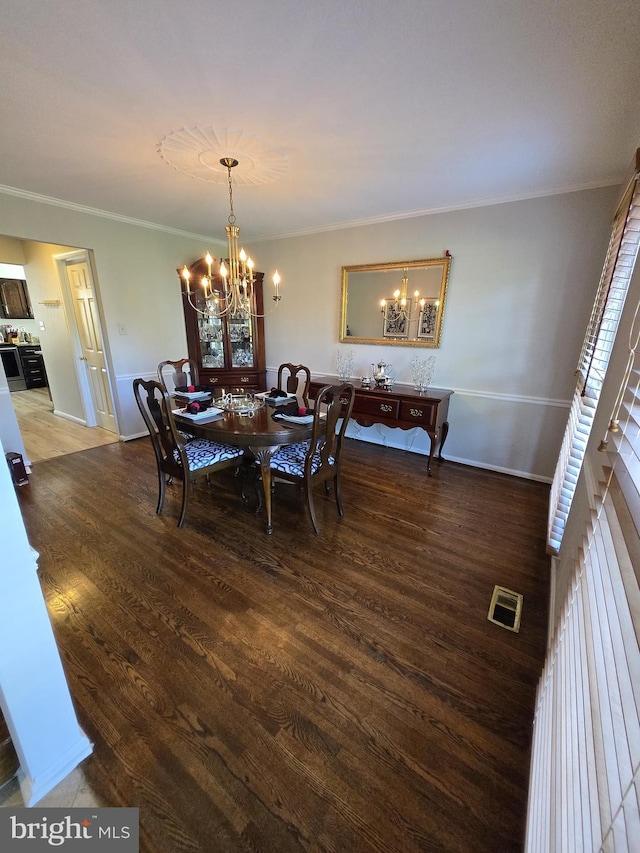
433,438
445,433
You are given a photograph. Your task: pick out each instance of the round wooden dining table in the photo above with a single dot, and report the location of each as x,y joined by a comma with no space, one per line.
261,435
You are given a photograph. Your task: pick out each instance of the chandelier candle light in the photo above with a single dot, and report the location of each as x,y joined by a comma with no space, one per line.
400,297
236,296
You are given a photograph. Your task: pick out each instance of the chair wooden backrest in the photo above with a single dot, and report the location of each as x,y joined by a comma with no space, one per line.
176,459
155,407
333,402
183,372
318,460
291,376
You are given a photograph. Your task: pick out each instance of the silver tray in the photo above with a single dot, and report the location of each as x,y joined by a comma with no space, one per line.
241,404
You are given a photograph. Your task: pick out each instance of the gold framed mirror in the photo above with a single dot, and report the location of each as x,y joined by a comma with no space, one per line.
380,305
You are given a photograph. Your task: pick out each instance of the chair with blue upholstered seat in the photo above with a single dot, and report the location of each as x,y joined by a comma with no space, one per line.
318,460
175,458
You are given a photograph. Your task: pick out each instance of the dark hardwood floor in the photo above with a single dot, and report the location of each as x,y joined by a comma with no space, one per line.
299,693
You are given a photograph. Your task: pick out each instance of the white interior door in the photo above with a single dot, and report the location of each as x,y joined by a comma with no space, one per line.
90,334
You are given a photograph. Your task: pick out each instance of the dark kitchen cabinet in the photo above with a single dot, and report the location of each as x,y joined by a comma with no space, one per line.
14,299
32,366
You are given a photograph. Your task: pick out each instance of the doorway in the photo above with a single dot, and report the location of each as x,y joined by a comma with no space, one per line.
79,291
67,421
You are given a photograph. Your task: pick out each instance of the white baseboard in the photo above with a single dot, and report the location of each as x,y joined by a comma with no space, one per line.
71,418
419,451
134,435
33,790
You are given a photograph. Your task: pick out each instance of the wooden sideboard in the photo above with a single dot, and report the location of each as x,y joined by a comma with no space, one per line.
402,408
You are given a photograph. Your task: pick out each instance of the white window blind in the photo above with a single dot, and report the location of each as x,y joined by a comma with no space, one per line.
585,768
595,354
624,430
584,790
609,301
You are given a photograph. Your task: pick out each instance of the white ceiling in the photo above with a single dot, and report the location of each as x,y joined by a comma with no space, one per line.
379,108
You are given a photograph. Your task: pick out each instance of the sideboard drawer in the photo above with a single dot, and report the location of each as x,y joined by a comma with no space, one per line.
370,405
401,407
415,411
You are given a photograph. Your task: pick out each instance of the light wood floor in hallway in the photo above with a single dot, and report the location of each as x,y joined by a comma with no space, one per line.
47,435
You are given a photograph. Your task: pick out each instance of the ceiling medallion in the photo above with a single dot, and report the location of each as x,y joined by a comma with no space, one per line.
198,151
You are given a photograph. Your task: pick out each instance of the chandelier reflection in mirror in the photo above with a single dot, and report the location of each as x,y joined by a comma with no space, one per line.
399,311
235,298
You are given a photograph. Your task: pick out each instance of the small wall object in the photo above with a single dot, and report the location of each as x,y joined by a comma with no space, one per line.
505,608
18,471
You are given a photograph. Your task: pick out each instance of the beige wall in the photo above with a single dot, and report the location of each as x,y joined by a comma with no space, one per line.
55,342
11,251
522,281
138,288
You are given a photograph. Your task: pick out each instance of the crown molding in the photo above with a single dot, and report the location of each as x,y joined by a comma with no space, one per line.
337,226
104,214
431,211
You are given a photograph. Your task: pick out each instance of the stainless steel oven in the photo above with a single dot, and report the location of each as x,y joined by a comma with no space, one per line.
13,367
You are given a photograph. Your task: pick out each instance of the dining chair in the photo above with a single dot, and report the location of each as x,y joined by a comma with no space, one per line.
291,377
182,373
175,458
318,459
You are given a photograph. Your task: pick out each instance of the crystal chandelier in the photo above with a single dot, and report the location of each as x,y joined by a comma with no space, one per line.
235,297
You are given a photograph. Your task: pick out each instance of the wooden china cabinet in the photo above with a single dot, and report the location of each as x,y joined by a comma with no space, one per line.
229,351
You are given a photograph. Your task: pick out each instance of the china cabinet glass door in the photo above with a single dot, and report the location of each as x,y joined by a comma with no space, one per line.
241,337
211,334
217,333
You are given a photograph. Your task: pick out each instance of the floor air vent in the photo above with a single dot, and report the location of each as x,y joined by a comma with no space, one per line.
505,608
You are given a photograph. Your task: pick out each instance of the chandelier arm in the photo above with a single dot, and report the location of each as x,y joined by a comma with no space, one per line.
232,309
267,313
219,313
